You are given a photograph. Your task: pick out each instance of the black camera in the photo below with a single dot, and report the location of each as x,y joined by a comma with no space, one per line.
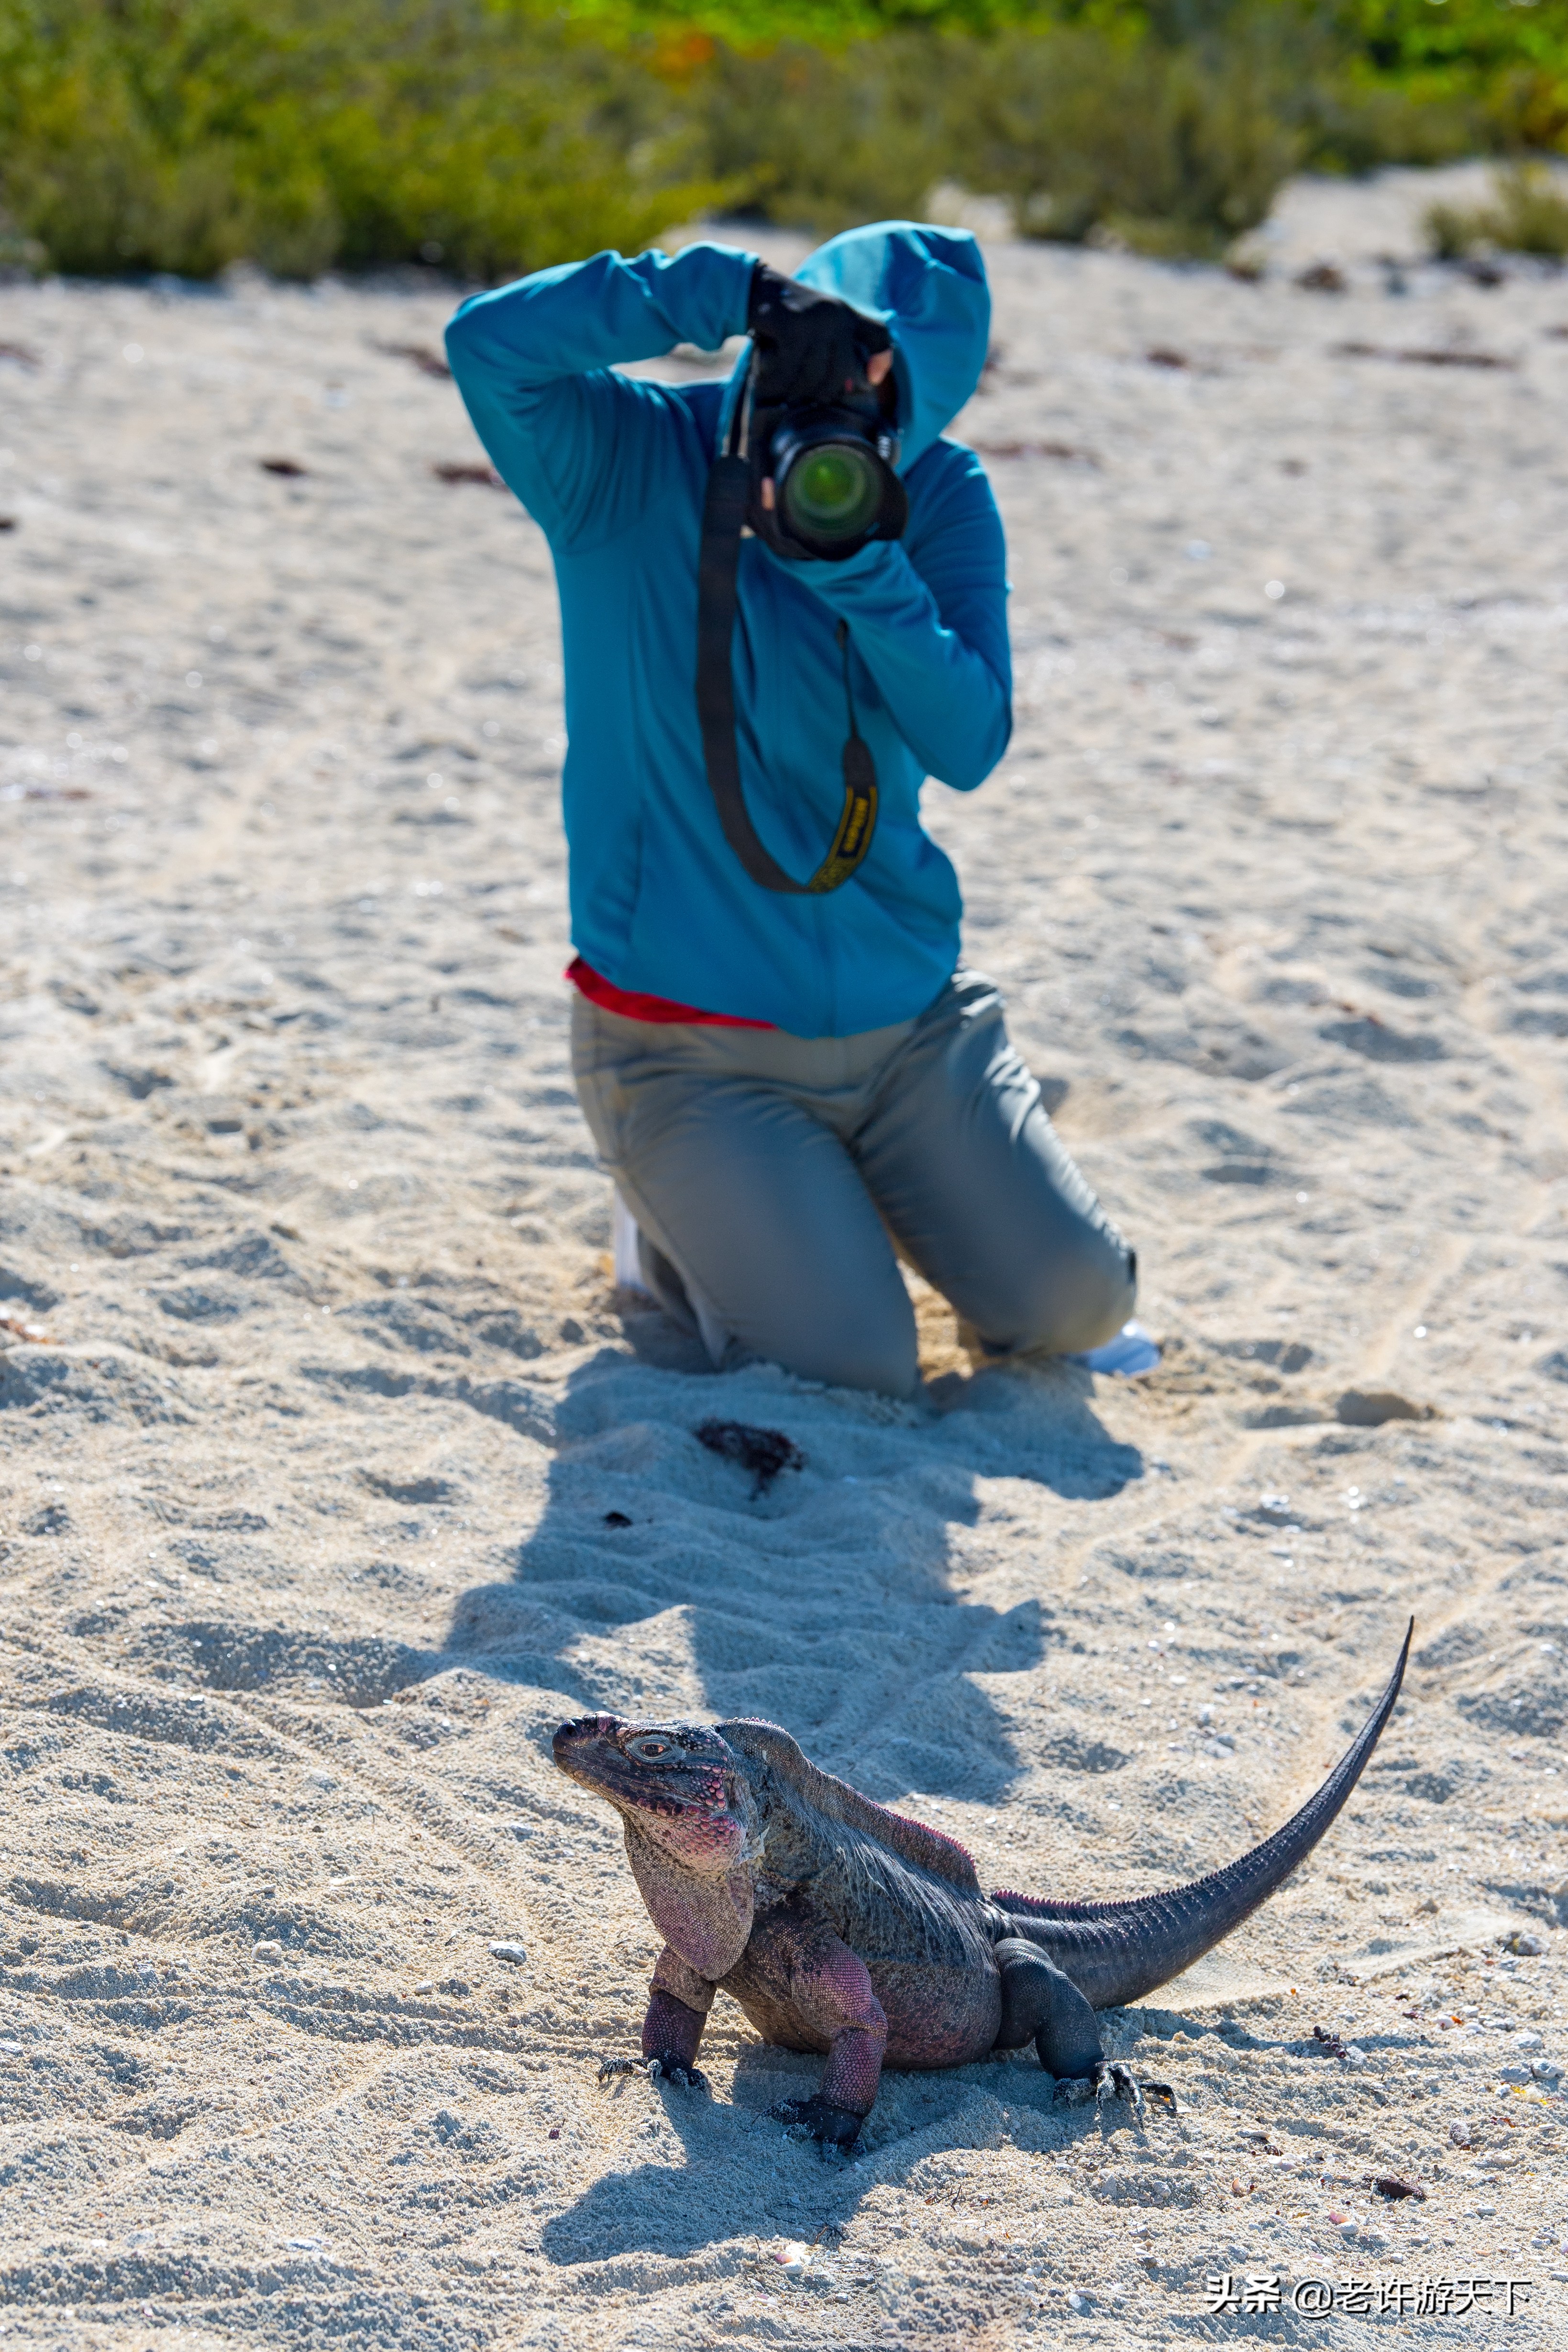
835,489
812,424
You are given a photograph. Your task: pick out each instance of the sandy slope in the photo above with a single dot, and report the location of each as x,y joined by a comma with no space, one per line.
304,1491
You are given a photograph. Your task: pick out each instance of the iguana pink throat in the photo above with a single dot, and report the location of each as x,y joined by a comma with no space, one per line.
841,1926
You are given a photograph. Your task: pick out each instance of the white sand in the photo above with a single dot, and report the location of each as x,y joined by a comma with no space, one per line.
305,1490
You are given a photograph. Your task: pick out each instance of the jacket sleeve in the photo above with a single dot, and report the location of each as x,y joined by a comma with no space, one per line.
928,616
579,444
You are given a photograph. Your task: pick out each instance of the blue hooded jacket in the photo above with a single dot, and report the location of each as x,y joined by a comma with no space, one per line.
615,470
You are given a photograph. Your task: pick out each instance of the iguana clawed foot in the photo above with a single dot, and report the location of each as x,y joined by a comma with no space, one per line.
819,2119
1110,2079
666,2069
662,2067
1114,2081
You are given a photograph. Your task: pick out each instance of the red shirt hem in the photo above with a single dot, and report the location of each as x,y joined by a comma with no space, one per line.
632,1004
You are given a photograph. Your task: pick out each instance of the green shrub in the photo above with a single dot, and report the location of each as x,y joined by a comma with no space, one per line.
1528,213
501,135
1170,152
1354,129
1077,129
808,138
184,134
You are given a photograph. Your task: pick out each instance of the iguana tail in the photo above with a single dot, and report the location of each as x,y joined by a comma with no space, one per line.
1115,1952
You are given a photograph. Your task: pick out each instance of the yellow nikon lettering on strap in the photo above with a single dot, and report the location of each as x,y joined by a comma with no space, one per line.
857,824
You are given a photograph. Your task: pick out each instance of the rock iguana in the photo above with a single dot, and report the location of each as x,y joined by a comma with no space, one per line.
842,1926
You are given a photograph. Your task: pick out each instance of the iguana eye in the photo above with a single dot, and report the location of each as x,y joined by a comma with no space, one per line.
649,1751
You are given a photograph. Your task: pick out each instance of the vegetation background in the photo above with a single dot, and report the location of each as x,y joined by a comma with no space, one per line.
496,136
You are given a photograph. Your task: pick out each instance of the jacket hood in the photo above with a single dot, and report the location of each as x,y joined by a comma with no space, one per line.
928,286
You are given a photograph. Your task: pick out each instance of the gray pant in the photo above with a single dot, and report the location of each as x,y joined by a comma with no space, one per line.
769,1172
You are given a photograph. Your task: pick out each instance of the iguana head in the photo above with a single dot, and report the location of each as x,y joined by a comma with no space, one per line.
679,1784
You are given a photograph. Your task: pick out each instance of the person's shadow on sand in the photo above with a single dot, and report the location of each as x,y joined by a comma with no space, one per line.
658,1582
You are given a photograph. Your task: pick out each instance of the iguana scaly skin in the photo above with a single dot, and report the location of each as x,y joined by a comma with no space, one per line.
841,1926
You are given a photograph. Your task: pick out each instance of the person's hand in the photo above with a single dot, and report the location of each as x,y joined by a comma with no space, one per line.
811,347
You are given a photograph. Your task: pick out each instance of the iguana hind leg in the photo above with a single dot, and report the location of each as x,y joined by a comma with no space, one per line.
1042,2005
1039,2003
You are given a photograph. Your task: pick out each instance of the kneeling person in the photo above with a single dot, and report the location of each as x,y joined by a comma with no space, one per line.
781,1060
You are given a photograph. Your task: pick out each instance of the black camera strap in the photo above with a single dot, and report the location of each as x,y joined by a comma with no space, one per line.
723,519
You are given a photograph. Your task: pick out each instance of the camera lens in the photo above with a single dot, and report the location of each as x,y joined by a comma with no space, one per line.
833,490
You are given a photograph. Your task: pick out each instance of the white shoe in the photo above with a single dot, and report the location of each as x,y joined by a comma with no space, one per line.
1132,1351
623,1245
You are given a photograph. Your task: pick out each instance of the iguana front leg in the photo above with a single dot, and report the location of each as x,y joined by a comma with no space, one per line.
803,1967
672,2028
